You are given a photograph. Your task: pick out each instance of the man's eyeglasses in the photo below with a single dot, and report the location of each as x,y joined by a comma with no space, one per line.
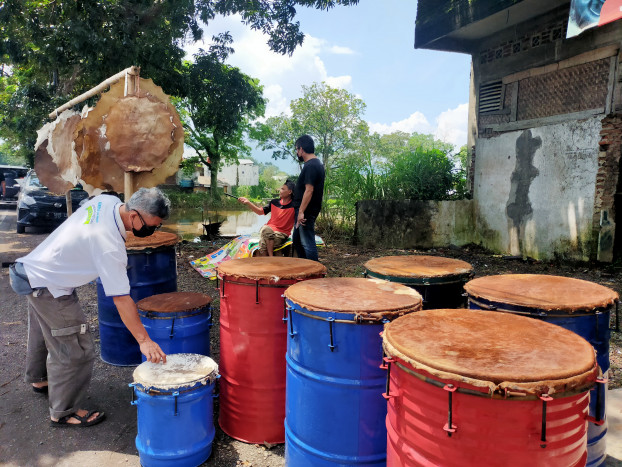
150,227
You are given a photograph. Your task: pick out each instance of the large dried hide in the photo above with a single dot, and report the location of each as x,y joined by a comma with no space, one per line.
55,161
140,133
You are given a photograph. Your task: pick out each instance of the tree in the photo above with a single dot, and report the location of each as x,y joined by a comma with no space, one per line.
220,101
333,117
57,49
272,178
393,144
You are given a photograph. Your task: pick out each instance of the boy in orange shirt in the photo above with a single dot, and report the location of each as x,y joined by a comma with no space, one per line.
279,227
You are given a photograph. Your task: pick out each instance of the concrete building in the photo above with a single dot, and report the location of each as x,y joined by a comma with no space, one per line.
545,124
246,173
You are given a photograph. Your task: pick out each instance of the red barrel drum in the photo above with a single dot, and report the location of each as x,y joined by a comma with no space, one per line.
253,343
473,388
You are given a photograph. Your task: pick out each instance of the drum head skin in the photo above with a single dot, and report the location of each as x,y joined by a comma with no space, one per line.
272,268
174,301
180,370
492,349
416,266
367,298
156,240
542,292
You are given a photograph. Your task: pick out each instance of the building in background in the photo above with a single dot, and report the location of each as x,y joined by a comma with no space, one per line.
246,173
545,124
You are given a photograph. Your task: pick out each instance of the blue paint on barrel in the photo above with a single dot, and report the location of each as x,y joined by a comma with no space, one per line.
335,413
593,327
175,427
180,331
150,271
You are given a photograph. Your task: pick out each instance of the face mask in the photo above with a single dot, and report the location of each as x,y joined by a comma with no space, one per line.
300,159
145,230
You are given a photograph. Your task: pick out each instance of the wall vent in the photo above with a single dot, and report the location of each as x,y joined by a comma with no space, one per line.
490,96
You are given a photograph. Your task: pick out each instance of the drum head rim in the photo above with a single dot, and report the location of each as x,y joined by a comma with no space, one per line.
461,268
243,268
497,288
445,341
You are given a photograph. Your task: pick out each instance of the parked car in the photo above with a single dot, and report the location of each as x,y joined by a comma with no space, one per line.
38,207
13,179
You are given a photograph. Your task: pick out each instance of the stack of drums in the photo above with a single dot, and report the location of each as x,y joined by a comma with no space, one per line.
253,343
179,322
151,269
475,388
580,306
175,410
439,280
335,411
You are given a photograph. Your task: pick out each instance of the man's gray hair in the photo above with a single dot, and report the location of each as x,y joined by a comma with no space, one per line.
150,201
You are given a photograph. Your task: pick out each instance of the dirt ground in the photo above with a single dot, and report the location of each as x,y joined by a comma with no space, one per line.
25,435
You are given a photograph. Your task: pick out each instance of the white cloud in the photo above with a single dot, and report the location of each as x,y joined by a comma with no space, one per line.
451,125
342,82
339,50
277,103
281,75
416,122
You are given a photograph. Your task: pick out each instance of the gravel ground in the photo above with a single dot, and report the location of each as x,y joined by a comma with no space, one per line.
24,432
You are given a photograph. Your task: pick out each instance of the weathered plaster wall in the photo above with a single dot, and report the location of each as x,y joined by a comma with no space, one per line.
415,224
534,190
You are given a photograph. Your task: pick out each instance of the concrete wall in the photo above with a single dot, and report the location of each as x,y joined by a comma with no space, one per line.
535,190
237,175
248,175
415,224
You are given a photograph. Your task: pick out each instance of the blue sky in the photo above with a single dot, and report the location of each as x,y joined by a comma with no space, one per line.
368,50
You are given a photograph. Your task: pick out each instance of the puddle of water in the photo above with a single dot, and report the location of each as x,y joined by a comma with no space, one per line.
187,223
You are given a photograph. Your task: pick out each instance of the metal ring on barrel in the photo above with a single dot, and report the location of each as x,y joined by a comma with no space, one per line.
179,322
335,413
577,305
486,388
439,280
253,342
175,407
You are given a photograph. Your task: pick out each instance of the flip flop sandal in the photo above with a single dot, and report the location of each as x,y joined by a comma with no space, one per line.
63,421
41,390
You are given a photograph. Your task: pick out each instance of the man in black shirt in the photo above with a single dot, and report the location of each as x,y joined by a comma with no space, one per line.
307,198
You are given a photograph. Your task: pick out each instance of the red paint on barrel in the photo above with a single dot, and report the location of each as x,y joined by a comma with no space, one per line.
253,343
491,432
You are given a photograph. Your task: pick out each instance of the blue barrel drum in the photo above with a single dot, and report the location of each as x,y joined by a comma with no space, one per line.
334,409
179,322
439,280
151,269
175,410
577,305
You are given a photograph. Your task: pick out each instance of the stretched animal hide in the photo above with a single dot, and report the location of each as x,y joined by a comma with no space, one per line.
141,133
48,172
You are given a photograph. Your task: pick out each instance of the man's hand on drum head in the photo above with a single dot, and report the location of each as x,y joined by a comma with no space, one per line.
152,352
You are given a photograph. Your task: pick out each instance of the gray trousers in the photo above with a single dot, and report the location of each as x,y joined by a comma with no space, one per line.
60,350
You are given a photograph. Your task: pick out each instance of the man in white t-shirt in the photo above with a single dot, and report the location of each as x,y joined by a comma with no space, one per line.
89,244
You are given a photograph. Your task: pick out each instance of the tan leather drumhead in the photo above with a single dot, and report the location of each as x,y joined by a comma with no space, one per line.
152,241
490,346
417,266
174,301
272,268
354,295
542,291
